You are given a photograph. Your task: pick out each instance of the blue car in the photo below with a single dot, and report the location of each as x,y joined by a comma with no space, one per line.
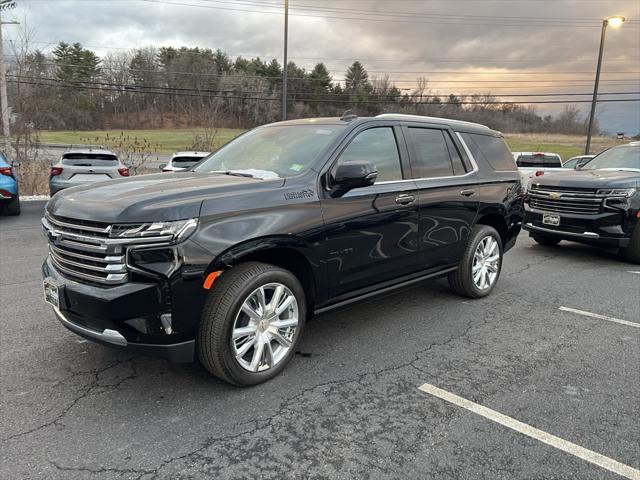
9,196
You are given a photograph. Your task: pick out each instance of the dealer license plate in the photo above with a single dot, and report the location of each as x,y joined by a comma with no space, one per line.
550,219
51,294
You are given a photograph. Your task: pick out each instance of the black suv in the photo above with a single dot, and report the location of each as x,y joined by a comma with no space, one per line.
228,260
598,204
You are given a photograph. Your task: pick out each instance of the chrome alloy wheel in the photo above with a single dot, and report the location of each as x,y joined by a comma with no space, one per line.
486,263
265,327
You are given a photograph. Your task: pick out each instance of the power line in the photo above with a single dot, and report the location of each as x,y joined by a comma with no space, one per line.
529,24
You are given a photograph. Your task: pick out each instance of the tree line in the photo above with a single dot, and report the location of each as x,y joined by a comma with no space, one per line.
74,88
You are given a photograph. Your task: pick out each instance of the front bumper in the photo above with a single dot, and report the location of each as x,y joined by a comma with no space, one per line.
610,228
127,316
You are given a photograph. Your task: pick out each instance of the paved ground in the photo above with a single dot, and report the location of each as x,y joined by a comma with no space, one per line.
349,405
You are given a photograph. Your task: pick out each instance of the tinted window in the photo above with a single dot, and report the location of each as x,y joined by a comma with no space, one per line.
89,159
492,149
378,146
456,160
429,155
539,160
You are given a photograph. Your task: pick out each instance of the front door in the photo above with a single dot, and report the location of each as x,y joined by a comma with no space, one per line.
372,232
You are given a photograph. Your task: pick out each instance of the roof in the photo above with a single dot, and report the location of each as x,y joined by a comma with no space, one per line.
539,153
456,124
191,153
90,150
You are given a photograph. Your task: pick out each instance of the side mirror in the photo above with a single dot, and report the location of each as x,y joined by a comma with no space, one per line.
350,175
581,163
15,163
162,165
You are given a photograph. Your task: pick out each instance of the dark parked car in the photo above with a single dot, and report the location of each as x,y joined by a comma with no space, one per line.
597,204
228,261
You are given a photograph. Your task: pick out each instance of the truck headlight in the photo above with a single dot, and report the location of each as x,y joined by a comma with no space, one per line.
616,192
177,230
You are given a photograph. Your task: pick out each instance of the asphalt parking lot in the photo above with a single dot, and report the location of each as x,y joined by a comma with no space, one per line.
349,405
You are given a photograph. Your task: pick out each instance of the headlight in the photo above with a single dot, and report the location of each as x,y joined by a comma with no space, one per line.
178,230
616,192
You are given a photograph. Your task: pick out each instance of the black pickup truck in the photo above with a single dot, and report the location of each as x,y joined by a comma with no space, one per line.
598,204
225,262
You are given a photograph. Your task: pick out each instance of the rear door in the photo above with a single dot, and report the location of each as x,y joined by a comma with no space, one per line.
88,167
447,194
372,232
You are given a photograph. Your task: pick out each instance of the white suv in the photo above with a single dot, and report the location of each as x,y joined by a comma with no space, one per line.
183,160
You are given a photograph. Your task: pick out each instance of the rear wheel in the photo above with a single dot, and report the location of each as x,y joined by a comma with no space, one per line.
251,323
481,264
13,206
632,252
546,240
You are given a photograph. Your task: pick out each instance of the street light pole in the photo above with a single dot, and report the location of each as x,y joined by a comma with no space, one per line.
284,66
4,106
614,22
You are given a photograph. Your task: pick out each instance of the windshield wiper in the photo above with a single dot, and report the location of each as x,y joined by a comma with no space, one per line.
232,173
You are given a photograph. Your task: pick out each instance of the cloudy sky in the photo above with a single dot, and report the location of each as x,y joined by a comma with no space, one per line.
460,46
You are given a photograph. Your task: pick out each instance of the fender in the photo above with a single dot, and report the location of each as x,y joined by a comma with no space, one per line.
263,245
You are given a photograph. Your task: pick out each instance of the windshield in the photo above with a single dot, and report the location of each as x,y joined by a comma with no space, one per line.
185,162
621,157
272,151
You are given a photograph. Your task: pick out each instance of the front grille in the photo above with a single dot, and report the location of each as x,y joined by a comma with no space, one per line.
84,251
583,201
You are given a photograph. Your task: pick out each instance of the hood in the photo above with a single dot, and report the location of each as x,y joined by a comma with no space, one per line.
146,198
590,179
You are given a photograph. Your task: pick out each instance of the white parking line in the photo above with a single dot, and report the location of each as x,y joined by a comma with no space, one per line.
557,442
632,271
600,317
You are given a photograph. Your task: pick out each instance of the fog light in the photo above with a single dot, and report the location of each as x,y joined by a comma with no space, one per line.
165,319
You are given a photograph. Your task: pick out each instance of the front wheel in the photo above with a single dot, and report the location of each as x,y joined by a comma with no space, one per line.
13,206
632,252
251,323
481,264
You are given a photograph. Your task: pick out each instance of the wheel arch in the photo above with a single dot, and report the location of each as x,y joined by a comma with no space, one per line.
285,251
497,220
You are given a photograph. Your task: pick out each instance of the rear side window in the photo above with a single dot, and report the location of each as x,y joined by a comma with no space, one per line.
89,159
492,149
378,146
539,160
429,153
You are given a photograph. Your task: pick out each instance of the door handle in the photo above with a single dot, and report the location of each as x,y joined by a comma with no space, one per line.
467,193
405,199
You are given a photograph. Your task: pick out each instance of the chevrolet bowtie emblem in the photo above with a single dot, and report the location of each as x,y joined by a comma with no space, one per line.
555,195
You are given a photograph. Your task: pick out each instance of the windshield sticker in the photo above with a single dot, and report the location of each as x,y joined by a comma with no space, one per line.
324,132
296,167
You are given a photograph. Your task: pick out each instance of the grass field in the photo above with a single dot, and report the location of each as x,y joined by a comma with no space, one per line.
163,140
171,140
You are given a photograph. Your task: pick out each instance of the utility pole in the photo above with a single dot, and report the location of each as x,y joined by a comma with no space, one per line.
5,5
614,22
284,66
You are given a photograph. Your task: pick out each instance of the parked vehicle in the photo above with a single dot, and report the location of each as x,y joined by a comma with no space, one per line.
598,204
9,194
183,160
229,260
83,166
536,164
577,162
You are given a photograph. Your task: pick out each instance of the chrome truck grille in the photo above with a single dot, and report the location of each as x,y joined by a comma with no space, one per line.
580,201
83,250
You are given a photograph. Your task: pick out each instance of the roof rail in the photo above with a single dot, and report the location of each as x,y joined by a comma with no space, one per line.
348,115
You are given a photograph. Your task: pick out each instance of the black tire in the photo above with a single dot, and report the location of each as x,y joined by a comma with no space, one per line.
632,252
545,240
12,207
461,281
230,290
